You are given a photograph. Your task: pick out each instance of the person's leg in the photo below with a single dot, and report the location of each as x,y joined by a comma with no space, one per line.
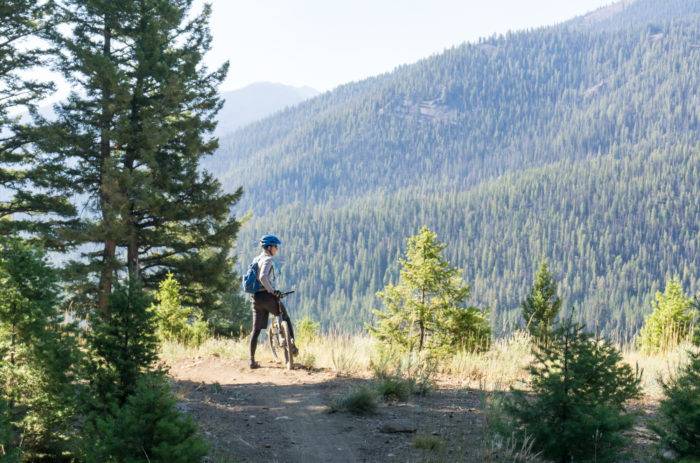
259,323
253,346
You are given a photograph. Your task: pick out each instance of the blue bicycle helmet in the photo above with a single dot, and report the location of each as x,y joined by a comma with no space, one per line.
270,240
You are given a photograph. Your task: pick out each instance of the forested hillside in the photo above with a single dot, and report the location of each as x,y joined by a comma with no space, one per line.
575,144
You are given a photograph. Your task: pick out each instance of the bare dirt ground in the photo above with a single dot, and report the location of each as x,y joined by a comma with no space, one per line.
275,415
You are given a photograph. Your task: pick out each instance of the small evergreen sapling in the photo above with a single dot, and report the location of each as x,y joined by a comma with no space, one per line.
426,309
38,355
176,321
542,305
670,322
148,428
578,388
123,345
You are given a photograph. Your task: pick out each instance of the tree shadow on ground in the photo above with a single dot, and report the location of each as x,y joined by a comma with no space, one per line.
249,421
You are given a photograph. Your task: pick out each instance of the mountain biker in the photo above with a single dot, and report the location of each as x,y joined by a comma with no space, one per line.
267,300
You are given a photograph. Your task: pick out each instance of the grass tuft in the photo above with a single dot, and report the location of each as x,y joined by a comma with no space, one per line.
394,389
359,401
426,442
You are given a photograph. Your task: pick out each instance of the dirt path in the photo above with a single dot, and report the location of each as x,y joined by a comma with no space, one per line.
275,415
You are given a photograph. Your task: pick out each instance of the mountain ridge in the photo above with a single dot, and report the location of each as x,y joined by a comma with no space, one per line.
257,101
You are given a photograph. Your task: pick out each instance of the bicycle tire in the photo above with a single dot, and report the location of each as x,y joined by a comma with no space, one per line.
288,355
272,340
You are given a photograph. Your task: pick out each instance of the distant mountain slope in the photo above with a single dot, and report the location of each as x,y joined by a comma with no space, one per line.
513,148
627,14
256,101
612,229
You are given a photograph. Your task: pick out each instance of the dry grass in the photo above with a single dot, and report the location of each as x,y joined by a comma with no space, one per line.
499,368
656,367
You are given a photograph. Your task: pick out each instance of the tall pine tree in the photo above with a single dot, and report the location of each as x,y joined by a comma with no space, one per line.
137,126
33,182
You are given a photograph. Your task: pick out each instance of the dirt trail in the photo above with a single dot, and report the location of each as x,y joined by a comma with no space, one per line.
275,415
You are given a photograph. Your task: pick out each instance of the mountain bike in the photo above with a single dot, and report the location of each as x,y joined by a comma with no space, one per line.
278,336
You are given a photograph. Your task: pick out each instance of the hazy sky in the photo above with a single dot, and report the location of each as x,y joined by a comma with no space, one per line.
324,43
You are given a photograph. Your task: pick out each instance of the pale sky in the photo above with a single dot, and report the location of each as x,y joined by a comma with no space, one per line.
325,43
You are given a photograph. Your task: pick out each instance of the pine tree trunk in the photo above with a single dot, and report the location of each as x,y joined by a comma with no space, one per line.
110,244
422,336
132,253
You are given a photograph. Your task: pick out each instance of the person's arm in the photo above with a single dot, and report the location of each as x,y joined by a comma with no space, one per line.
265,268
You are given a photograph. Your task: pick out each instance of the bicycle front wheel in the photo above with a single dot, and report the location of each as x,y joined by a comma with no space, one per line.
288,354
272,339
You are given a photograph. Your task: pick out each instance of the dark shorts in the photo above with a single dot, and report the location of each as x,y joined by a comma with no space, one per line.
264,304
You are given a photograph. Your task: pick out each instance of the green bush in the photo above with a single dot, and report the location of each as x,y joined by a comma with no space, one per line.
146,429
306,360
574,409
679,411
176,322
307,330
361,400
394,388
9,452
670,322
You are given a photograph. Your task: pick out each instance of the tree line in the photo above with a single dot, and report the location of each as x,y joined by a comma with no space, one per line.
110,186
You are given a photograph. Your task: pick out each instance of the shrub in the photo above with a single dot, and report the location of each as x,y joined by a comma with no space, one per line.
176,322
232,318
579,386
394,388
307,330
359,401
670,322
411,371
147,429
307,360
679,411
9,452
344,361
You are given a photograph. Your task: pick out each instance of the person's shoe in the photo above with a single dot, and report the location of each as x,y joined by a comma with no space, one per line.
254,365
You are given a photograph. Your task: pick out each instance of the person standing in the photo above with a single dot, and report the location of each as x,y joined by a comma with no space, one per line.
267,300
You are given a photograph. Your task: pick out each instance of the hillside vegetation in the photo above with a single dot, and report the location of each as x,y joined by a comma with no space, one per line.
575,144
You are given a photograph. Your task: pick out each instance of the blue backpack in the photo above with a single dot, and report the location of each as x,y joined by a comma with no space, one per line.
251,283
